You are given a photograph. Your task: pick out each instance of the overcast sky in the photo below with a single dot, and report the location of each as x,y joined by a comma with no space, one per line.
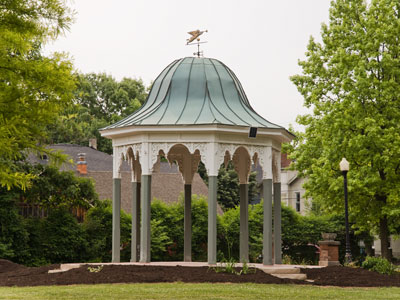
260,40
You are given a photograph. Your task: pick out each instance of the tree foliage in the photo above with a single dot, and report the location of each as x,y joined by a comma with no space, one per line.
52,188
351,81
107,98
13,235
99,100
63,239
58,238
228,187
98,229
33,88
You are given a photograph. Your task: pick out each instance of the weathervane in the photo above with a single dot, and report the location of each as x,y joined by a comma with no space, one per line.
195,37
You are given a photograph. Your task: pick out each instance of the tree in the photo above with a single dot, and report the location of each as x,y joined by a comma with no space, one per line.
107,98
33,87
99,100
228,187
351,81
52,188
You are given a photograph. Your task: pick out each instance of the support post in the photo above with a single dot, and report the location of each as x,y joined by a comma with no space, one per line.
244,223
267,222
212,219
145,219
135,230
116,216
187,251
277,224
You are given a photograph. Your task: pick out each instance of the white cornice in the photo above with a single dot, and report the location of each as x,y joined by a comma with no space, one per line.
276,133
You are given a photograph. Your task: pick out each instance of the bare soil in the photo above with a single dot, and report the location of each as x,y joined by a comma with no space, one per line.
12,274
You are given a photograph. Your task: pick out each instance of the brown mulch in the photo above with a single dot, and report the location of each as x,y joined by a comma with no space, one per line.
12,274
351,277
15,275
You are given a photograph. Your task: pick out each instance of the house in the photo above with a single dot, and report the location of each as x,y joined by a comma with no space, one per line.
292,191
292,187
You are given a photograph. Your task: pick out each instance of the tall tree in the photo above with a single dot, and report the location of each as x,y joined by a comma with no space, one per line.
108,99
99,100
33,87
228,187
351,81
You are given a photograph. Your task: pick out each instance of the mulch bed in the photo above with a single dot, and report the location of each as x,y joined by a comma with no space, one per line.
351,277
12,274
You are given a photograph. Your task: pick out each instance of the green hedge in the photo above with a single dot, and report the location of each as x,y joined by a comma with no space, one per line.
59,238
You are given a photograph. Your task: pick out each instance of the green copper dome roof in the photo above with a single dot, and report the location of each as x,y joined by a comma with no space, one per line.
195,91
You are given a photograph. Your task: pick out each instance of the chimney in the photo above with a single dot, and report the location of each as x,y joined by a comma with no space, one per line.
81,165
93,143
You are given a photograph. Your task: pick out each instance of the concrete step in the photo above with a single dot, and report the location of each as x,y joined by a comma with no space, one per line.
281,270
65,268
299,276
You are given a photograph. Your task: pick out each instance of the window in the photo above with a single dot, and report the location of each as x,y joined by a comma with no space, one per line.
297,201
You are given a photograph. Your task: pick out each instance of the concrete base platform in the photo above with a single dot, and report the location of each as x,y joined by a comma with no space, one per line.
299,276
65,268
281,271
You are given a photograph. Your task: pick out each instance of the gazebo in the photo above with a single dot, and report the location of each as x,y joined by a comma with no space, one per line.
197,110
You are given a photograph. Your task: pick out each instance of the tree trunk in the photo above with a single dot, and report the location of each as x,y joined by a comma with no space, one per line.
384,237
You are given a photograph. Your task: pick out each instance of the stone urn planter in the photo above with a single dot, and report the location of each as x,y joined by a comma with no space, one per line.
328,236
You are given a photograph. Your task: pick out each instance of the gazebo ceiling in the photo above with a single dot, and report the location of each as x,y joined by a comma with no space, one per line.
196,91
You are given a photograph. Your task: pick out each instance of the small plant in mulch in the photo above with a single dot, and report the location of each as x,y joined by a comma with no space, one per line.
288,260
95,269
380,265
230,267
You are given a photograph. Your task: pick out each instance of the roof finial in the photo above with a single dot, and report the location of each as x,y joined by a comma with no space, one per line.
195,37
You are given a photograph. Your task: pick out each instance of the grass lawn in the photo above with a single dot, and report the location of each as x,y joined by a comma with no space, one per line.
196,291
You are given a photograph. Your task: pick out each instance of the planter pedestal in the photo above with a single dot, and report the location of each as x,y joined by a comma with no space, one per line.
329,253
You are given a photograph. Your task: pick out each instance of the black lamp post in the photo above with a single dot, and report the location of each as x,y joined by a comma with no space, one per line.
344,167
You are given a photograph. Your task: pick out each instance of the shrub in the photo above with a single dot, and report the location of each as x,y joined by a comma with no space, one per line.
228,229
168,222
98,229
379,264
34,226
13,235
159,240
63,238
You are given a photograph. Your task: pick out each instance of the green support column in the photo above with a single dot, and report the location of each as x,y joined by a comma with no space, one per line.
277,224
116,216
187,251
135,231
267,222
244,223
212,219
145,219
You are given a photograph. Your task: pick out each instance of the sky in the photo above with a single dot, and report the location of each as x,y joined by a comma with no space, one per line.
260,40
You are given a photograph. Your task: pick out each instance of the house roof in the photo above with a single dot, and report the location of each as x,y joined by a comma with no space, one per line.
96,160
167,182
196,91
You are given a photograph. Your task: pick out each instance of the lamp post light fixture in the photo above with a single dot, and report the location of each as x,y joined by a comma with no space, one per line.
344,167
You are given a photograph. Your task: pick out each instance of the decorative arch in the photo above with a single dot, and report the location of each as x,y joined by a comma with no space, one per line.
134,163
242,163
